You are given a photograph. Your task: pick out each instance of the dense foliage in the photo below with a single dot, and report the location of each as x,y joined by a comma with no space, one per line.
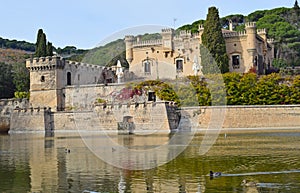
14,81
6,84
248,89
212,39
162,89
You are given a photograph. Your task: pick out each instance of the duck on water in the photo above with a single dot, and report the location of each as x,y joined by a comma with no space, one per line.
214,174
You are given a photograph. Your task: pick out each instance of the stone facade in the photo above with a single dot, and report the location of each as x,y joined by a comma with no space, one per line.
173,55
6,108
50,76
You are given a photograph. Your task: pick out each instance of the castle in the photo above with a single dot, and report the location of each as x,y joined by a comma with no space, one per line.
175,56
52,79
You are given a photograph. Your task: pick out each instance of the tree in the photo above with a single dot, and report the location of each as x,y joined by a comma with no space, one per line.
212,39
21,77
296,6
6,81
42,48
49,49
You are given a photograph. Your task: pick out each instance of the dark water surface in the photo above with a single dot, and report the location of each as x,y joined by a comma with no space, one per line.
34,163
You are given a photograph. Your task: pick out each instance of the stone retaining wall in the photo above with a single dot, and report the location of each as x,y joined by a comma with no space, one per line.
271,116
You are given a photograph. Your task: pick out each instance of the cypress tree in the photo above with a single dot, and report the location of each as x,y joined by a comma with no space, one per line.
213,41
40,50
296,8
49,49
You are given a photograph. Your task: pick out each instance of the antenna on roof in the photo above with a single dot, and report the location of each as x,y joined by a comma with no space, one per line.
174,21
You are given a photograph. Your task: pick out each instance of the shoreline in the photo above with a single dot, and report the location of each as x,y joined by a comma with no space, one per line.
195,132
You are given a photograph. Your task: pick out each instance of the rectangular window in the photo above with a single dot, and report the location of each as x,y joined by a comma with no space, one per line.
236,61
179,65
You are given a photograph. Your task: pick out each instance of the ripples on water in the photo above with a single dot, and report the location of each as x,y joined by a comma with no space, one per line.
32,163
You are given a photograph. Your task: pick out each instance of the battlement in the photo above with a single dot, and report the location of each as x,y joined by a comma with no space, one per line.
250,25
54,62
234,34
201,27
167,30
147,43
79,64
49,62
133,105
185,33
32,110
129,38
261,31
270,41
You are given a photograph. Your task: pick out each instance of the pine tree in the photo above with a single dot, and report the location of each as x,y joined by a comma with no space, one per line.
212,39
49,49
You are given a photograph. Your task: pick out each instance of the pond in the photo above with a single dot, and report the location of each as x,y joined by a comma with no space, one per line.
66,163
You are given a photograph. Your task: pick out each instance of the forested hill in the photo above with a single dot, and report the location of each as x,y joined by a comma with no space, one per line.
18,45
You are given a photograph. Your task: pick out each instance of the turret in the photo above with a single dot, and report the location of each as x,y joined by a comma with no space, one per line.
129,46
251,35
230,25
167,38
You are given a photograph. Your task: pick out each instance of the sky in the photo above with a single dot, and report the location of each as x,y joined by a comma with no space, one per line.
86,24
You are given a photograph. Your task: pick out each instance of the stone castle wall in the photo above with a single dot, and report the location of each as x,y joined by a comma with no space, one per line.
272,116
31,120
156,117
6,108
146,116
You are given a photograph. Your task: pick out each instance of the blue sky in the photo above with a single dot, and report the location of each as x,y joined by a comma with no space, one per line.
85,24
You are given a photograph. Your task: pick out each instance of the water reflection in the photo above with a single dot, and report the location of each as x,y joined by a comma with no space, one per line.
35,163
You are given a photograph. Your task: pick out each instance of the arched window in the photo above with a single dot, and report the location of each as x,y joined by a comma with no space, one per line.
42,78
69,82
147,67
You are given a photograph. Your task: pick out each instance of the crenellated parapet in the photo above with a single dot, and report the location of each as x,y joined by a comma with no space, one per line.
147,43
167,30
83,65
45,63
270,41
129,38
201,27
234,34
250,25
185,33
261,31
32,110
55,62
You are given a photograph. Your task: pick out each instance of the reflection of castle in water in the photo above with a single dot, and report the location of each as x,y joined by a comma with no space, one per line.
54,170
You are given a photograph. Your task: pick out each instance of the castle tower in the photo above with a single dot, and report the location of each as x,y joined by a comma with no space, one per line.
129,46
46,82
230,25
201,30
167,39
251,44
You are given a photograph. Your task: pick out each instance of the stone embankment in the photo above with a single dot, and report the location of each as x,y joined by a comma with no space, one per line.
6,108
